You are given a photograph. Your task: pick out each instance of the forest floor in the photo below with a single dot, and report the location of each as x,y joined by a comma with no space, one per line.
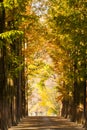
46,123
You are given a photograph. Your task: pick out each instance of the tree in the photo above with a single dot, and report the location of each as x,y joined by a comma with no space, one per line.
2,70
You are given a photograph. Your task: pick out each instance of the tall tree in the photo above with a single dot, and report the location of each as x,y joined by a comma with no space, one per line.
3,87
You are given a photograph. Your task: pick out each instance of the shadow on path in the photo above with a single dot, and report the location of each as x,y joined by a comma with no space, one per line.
46,123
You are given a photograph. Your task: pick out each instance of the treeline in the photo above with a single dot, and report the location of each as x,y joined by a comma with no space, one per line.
68,32
12,73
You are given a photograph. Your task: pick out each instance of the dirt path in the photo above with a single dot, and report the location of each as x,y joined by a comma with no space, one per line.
46,123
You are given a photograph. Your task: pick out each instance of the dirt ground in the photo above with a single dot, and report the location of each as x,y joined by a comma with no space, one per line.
46,123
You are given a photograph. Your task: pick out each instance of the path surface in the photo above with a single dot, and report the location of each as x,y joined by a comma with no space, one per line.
46,123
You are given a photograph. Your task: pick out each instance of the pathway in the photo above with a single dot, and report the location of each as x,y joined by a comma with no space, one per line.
46,123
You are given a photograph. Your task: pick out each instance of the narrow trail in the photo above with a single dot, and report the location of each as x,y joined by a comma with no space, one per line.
46,123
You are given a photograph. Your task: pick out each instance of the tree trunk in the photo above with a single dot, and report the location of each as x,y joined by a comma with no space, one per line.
75,95
3,78
85,93
23,95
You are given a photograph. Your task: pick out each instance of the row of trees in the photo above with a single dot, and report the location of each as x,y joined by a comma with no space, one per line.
68,33
64,32
54,28
12,74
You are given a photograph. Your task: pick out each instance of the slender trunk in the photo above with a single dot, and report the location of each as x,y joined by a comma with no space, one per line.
23,95
19,83
74,105
85,93
75,94
19,99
